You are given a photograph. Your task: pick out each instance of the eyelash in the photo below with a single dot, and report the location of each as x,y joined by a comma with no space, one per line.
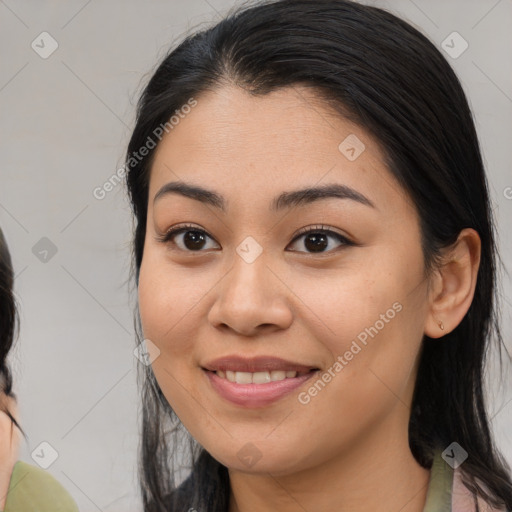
176,230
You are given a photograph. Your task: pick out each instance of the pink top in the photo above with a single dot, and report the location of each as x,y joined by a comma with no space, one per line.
463,499
447,493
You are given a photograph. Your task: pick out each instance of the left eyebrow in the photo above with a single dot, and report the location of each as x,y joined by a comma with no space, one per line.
285,200
310,194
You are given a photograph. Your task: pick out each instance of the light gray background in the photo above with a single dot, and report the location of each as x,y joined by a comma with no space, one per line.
65,123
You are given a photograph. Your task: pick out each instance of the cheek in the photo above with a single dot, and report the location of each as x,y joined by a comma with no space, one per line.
343,306
151,301
167,302
372,318
166,312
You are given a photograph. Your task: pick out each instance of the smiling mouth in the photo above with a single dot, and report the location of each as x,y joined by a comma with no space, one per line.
259,377
256,389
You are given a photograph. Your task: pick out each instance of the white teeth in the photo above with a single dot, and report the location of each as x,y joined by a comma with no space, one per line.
260,377
278,375
243,377
256,377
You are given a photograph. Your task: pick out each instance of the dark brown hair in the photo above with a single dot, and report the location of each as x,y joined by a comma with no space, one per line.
8,321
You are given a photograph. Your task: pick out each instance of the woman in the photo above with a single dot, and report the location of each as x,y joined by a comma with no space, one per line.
23,487
315,260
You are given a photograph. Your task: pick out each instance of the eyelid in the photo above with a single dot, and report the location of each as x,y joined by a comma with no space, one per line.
175,230
319,227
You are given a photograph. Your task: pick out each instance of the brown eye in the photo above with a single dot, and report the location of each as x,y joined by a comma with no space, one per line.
316,240
193,239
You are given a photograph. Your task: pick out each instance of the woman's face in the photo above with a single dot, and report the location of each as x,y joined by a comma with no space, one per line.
351,311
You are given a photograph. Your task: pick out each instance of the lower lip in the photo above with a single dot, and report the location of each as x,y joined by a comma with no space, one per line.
255,395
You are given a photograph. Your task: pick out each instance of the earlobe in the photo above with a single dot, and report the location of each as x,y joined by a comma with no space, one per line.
454,284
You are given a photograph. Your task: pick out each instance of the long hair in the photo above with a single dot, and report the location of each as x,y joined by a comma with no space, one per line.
383,74
8,323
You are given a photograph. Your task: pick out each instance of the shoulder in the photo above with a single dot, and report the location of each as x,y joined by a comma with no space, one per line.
31,488
463,500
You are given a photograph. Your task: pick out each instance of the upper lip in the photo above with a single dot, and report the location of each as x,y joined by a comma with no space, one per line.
255,364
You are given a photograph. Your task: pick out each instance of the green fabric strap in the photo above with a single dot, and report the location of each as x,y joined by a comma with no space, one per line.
31,488
439,494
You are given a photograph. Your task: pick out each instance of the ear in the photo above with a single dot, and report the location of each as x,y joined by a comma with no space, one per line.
452,286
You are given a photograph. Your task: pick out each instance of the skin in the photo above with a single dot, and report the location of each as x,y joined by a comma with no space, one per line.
347,449
9,445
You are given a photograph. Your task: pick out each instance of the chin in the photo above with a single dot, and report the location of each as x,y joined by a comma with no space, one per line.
260,457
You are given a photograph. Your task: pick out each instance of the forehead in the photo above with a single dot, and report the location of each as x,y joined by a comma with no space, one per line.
250,146
286,122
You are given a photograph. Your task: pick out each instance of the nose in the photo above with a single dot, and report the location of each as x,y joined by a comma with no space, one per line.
251,298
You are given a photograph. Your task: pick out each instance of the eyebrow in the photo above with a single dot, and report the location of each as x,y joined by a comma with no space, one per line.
285,200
